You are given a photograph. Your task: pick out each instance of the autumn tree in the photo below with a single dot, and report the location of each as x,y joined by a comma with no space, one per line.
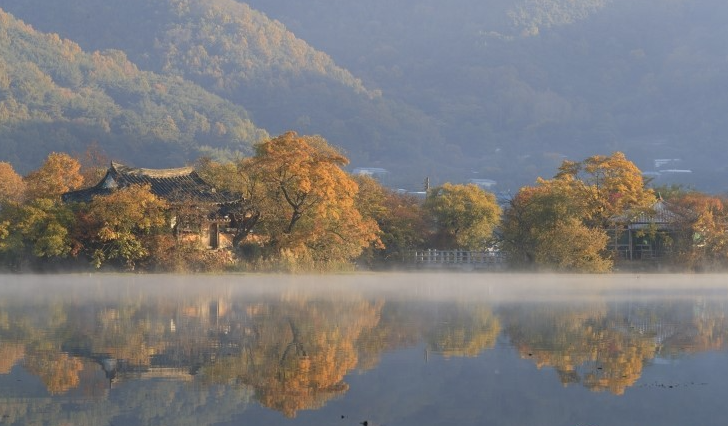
464,216
606,185
118,226
305,199
400,218
12,186
234,177
59,174
700,230
561,223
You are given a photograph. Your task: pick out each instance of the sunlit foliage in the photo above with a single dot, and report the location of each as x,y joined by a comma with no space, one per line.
59,174
561,223
117,226
464,216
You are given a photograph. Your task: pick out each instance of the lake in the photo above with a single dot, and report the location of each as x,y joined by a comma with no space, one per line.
364,349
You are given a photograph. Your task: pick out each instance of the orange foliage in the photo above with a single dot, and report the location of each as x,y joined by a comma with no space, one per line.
57,370
12,186
59,174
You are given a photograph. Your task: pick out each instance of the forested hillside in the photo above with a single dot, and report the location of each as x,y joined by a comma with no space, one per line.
56,97
240,54
496,89
518,84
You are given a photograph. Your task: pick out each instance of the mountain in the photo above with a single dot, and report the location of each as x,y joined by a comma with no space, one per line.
493,89
518,85
56,97
240,54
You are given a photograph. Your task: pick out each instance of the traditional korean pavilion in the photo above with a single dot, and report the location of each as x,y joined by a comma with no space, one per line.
179,187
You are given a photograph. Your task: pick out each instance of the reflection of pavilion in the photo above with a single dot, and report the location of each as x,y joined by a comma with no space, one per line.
117,370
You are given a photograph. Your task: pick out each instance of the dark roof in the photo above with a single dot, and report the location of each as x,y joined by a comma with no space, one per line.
174,185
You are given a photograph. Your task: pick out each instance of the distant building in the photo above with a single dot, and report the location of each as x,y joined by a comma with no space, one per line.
676,171
483,183
660,162
375,172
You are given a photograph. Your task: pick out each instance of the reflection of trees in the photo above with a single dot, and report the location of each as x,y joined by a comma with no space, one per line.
400,326
607,348
10,354
463,330
57,370
297,353
560,338
704,329
294,352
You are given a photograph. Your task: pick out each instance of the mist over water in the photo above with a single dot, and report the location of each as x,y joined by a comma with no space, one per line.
388,349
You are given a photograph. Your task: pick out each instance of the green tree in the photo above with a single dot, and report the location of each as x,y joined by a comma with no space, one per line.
39,230
464,216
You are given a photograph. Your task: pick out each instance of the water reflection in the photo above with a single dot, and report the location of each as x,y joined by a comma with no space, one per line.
133,350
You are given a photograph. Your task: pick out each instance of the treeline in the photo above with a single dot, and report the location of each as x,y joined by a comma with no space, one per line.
301,210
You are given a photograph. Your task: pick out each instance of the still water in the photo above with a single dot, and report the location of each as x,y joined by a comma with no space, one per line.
371,349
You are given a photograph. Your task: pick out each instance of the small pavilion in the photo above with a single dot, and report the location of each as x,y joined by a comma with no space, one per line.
646,234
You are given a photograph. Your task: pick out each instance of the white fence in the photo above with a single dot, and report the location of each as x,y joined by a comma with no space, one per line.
478,259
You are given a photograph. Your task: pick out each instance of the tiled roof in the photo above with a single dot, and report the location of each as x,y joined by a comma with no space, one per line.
175,185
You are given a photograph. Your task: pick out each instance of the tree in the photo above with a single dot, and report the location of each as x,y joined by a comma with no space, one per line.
116,226
40,229
561,223
59,174
305,200
607,186
534,211
464,216
12,186
234,178
401,220
701,230
572,246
